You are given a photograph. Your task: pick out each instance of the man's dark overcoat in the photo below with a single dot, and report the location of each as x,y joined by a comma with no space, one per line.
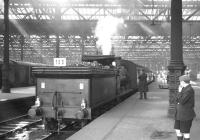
185,104
142,86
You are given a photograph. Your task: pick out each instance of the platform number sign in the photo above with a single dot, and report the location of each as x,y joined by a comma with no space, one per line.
59,61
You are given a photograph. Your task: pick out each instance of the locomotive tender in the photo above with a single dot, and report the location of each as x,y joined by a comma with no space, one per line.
74,92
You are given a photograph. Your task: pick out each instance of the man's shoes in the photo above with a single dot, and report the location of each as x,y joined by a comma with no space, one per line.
180,138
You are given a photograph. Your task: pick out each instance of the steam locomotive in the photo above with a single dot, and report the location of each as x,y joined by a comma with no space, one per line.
74,92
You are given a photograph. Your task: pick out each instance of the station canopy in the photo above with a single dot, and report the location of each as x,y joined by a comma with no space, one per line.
136,30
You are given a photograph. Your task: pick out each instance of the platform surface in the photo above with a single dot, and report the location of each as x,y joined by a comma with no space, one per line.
16,93
136,119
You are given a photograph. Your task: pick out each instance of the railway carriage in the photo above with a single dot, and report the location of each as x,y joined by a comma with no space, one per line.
19,73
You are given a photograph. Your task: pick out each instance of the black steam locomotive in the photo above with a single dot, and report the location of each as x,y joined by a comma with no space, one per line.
74,92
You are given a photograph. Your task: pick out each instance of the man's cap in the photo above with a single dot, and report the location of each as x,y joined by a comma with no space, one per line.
184,78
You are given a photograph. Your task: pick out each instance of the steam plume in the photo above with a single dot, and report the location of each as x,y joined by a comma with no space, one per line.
105,28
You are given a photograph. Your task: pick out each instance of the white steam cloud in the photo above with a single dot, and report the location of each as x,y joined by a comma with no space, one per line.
105,28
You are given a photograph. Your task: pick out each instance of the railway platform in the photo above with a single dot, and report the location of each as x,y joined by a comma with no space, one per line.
136,119
16,103
19,92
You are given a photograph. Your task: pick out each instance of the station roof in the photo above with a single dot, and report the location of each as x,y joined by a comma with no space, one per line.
144,34
81,16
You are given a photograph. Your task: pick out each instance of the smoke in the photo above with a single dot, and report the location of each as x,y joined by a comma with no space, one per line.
146,29
105,28
19,27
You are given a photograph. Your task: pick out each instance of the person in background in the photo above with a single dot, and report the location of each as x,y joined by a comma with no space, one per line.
184,115
123,76
142,87
168,78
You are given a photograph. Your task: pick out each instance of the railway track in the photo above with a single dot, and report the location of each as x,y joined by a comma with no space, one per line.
65,132
24,128
16,125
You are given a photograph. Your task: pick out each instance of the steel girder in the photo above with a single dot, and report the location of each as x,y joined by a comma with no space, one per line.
135,10
79,17
87,27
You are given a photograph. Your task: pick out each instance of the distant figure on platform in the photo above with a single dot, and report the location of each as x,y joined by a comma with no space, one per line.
143,85
168,78
123,76
184,114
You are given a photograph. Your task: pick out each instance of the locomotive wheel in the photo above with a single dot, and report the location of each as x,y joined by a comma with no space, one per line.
51,124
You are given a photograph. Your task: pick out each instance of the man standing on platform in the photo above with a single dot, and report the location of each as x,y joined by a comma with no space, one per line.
143,85
184,114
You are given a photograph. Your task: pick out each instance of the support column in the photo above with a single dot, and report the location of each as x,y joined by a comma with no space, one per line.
82,45
58,20
176,66
5,68
57,46
22,47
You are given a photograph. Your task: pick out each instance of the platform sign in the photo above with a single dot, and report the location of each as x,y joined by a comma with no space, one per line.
42,84
59,62
81,86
